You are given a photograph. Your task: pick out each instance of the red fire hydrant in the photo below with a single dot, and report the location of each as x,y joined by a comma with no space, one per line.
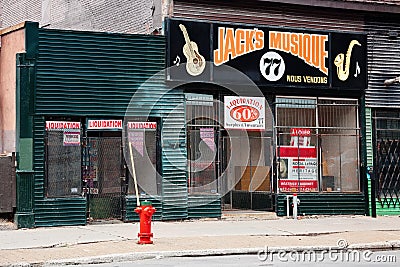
145,212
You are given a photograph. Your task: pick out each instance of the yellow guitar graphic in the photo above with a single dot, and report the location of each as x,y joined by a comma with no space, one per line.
343,69
195,62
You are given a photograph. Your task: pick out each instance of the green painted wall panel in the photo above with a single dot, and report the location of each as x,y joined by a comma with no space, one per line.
326,204
25,154
25,83
60,211
38,156
390,207
204,206
88,74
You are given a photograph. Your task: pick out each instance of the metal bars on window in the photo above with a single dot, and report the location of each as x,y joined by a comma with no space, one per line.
63,161
202,131
387,157
332,127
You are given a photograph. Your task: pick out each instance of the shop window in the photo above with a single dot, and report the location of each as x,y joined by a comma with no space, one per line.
318,145
144,146
63,162
202,149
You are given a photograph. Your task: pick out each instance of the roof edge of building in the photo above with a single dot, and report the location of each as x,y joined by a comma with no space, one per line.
13,28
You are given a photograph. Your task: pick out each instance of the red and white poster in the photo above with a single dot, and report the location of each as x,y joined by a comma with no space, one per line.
70,129
246,113
207,135
71,138
300,137
298,169
136,134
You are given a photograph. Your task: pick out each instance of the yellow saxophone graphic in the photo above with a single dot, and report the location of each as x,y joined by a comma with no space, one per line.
343,71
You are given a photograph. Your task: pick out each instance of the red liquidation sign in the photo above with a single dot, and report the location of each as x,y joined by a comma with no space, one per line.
142,125
294,152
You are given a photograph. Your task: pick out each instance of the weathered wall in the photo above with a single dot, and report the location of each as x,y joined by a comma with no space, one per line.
11,43
7,188
125,16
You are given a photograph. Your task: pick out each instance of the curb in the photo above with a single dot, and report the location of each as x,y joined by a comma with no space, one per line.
127,257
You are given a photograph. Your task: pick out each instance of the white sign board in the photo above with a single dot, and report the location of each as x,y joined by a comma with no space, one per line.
104,124
72,138
142,125
62,125
246,113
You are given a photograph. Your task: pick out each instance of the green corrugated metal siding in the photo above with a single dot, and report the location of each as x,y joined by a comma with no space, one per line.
60,211
204,206
52,212
95,74
326,204
385,209
130,206
174,187
38,157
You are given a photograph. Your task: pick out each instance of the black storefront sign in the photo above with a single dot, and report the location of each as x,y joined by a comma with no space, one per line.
180,35
200,51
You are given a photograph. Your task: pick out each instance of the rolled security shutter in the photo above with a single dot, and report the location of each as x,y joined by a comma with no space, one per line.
270,14
383,62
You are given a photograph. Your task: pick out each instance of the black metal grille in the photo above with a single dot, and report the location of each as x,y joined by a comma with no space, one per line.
102,177
387,132
388,158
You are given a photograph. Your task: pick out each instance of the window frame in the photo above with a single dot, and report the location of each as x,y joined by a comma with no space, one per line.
48,193
316,103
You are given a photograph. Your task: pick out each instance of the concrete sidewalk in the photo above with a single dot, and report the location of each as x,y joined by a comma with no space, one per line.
231,235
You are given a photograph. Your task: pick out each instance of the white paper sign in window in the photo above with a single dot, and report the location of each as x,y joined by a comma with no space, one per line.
244,113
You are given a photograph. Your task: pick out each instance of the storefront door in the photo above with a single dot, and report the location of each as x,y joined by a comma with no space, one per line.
103,175
387,159
249,173
317,145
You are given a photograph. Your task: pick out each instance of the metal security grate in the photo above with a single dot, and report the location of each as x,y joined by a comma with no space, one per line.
387,133
202,128
333,131
388,158
102,177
